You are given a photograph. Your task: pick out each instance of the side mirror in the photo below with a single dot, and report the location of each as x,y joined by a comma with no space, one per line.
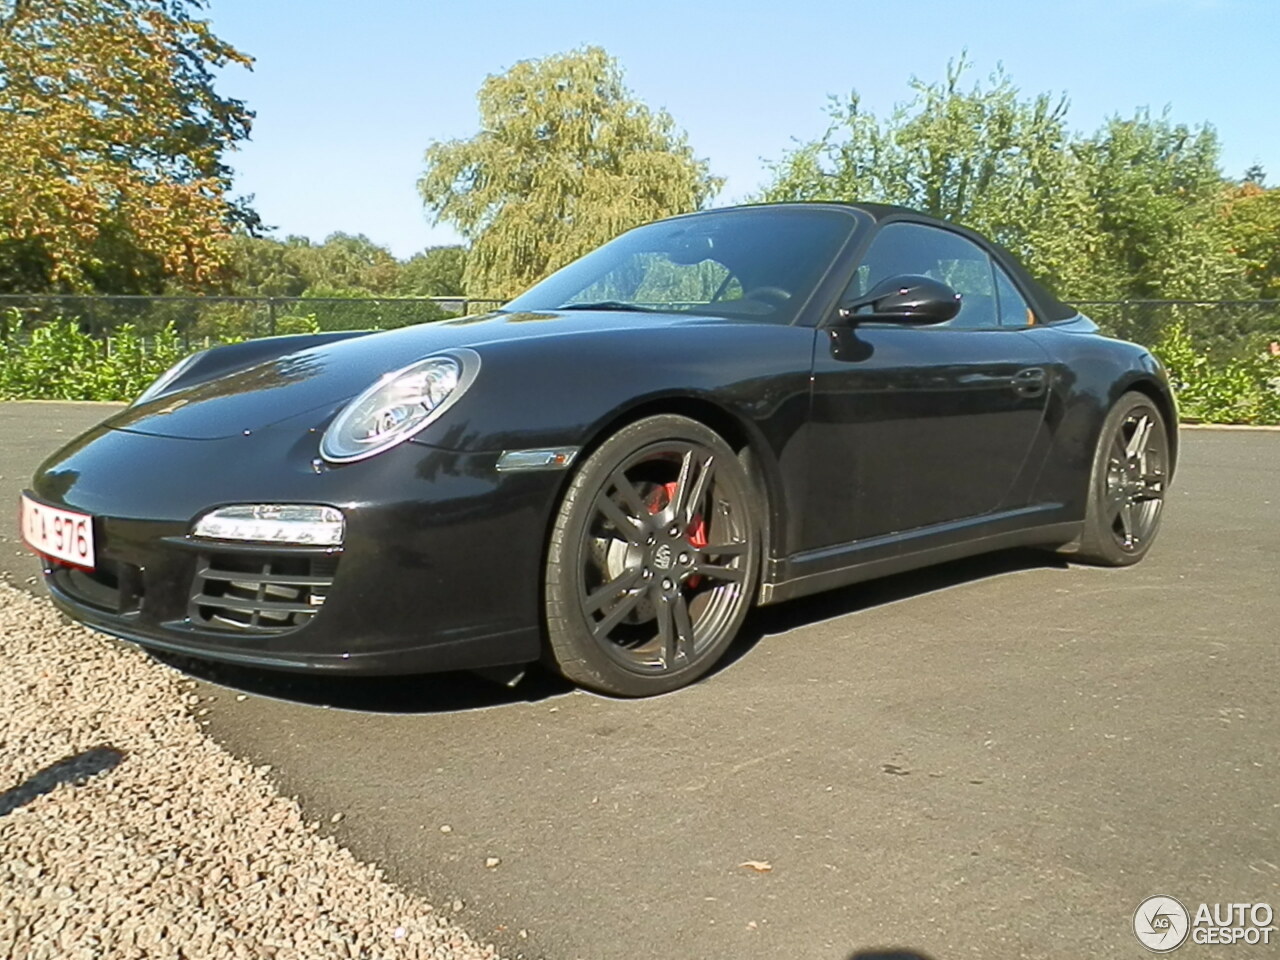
906,299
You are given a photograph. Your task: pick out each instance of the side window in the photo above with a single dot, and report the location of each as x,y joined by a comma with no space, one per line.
914,248
1014,311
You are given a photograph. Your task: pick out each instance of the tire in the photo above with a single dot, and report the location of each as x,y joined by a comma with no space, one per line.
1127,484
653,560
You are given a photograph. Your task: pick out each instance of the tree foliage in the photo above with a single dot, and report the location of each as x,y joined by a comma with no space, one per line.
263,267
1132,211
111,145
566,159
961,155
1253,230
1159,195
435,272
344,265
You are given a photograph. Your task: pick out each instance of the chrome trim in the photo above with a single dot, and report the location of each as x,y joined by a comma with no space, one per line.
549,458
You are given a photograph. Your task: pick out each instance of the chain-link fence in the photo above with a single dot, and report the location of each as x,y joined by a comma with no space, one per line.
1223,327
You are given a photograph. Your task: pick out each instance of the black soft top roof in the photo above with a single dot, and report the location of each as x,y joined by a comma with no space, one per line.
1046,306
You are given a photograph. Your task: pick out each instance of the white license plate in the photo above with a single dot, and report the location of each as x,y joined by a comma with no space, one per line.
61,534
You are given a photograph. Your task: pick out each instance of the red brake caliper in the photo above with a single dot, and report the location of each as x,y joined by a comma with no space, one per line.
697,532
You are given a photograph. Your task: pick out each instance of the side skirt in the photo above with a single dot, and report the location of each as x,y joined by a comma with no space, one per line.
899,552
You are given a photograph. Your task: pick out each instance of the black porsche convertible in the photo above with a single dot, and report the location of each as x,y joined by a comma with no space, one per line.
728,408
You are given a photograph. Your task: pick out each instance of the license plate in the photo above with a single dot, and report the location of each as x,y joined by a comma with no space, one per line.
62,534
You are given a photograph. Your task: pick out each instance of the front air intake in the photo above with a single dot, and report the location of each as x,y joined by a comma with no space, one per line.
259,595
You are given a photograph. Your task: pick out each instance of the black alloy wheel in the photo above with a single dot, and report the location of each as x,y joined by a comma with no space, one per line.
1129,481
653,559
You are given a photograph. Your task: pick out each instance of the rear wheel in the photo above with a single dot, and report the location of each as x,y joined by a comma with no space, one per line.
1127,488
653,559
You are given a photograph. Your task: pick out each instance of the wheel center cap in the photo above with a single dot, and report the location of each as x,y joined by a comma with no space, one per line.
662,557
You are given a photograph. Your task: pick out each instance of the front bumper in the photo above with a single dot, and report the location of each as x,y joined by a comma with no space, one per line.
440,568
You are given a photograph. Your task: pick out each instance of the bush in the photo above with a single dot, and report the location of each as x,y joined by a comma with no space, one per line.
224,319
1245,389
297,324
58,361
355,310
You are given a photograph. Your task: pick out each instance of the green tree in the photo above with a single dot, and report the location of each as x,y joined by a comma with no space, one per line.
112,139
263,267
343,266
435,272
1114,215
345,262
1159,194
566,159
1253,232
983,156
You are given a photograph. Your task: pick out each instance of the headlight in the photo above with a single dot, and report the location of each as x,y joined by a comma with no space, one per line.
161,383
399,405
300,523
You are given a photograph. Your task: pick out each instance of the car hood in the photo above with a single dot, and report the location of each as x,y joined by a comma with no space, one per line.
323,377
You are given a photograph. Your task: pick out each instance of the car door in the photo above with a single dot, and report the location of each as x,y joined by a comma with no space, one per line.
916,426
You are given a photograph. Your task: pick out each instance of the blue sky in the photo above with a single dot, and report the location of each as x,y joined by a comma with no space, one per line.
348,95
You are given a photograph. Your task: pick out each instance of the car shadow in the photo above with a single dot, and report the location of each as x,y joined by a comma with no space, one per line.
805,611
454,692
408,693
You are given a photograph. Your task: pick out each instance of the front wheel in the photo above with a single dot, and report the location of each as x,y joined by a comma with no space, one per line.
653,559
1128,484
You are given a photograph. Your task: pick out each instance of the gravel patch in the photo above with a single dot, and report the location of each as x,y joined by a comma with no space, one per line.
178,851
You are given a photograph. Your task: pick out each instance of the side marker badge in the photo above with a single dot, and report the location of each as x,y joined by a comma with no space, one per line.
557,458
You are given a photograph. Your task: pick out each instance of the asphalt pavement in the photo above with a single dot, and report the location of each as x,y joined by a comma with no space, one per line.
999,757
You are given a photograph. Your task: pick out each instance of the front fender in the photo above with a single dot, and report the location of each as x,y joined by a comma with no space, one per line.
561,390
752,380
228,358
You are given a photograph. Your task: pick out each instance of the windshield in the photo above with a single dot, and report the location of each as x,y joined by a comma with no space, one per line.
756,263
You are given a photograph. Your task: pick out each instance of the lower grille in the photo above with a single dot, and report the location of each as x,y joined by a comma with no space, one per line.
253,594
112,586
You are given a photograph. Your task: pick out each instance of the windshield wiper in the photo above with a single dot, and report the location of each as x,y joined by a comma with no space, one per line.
606,305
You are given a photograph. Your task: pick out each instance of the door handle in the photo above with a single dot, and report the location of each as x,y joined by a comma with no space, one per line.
1030,382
